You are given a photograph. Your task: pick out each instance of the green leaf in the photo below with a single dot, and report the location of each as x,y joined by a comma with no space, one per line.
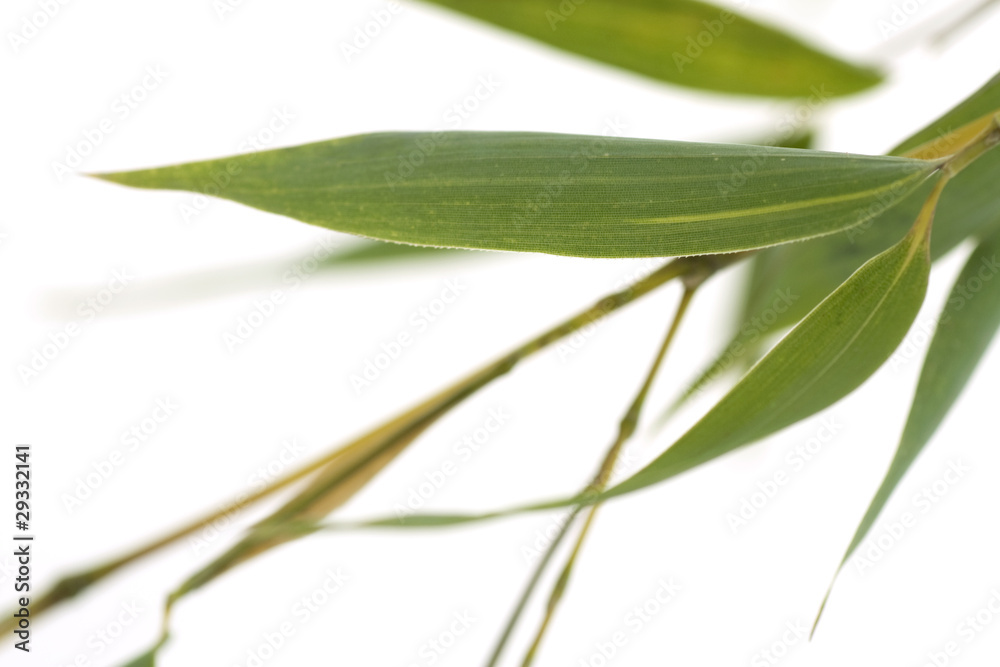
967,325
555,193
684,42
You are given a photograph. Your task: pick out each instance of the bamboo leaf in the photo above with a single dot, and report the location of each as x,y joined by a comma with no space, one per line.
554,193
967,325
683,42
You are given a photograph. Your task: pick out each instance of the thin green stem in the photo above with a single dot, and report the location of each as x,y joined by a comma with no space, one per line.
627,426
372,451
423,415
529,588
982,142
626,429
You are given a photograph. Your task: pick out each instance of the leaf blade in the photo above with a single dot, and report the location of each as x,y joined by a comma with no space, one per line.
553,193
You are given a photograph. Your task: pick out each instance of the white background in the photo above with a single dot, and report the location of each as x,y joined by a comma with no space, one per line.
225,77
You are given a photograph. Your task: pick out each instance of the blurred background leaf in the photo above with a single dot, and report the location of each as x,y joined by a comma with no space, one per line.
154,294
682,42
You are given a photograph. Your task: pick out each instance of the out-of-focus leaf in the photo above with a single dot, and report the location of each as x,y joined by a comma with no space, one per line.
683,42
965,328
285,273
556,193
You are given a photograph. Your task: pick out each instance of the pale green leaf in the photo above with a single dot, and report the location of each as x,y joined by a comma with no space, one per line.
555,193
